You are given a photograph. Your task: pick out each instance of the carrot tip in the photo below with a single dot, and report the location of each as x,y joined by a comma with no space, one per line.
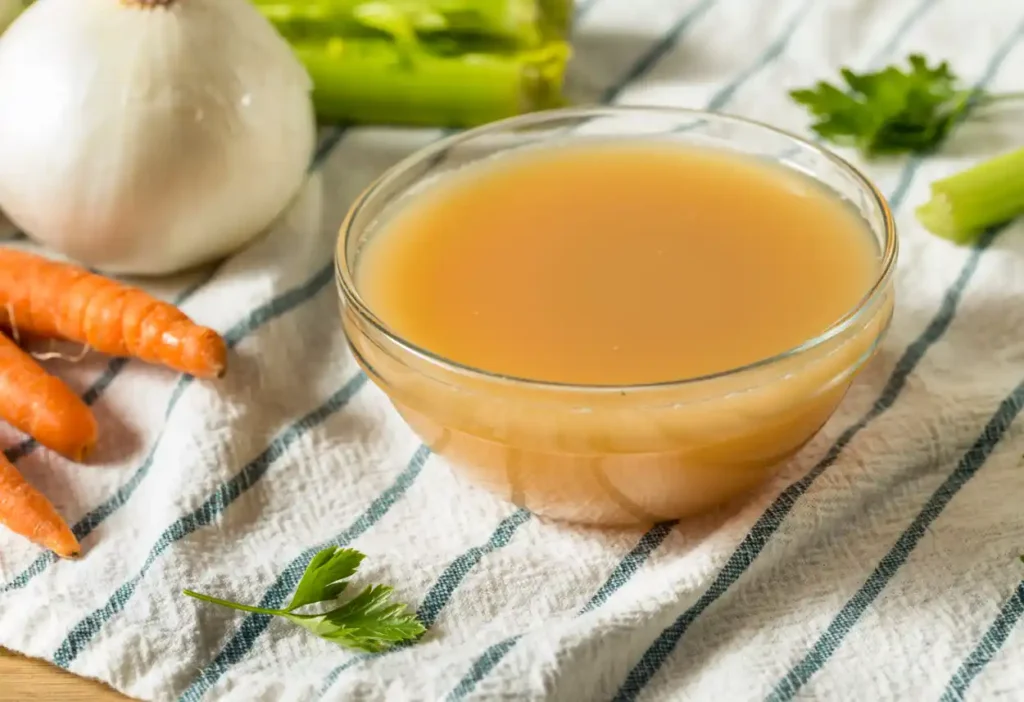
65,547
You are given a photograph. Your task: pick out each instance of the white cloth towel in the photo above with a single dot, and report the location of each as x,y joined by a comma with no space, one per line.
882,564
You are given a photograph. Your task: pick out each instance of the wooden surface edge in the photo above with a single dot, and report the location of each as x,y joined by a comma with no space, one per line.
28,680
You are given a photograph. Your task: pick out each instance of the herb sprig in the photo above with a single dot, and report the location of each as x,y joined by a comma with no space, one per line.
366,622
893,110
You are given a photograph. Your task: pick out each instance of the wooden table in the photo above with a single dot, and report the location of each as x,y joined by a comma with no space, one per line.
24,680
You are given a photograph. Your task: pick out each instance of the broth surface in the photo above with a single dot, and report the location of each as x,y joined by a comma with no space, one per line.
616,262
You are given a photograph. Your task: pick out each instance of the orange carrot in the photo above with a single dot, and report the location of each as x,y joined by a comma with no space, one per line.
24,510
42,406
65,301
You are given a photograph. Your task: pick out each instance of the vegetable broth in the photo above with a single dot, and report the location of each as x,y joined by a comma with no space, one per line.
617,262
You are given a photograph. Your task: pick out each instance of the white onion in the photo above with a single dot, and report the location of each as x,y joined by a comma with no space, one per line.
150,136
9,9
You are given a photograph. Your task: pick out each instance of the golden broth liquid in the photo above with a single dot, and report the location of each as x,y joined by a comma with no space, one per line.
620,263
617,264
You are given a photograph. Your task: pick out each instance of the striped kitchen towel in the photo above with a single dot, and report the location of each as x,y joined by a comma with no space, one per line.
880,565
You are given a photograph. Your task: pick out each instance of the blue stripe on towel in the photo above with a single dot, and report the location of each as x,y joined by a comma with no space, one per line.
442,591
850,614
627,567
987,648
482,667
630,564
659,51
254,625
583,8
724,96
83,632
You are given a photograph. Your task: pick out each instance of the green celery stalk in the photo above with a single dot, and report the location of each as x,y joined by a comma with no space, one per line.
9,11
966,204
374,81
514,23
556,18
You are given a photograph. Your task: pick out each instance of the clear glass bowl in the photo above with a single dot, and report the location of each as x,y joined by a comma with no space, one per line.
618,455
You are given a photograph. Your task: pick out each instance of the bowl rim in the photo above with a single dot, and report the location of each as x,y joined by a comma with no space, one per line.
349,293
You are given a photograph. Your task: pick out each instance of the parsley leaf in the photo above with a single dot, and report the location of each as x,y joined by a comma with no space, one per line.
325,577
892,110
366,622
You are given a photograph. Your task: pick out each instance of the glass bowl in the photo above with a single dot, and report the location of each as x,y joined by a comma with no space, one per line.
618,455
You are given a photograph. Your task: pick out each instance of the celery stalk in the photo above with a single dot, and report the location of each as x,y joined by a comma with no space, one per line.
515,23
966,204
442,63
373,81
556,17
9,11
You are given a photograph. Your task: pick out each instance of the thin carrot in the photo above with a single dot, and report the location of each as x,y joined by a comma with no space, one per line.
26,511
65,301
42,406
